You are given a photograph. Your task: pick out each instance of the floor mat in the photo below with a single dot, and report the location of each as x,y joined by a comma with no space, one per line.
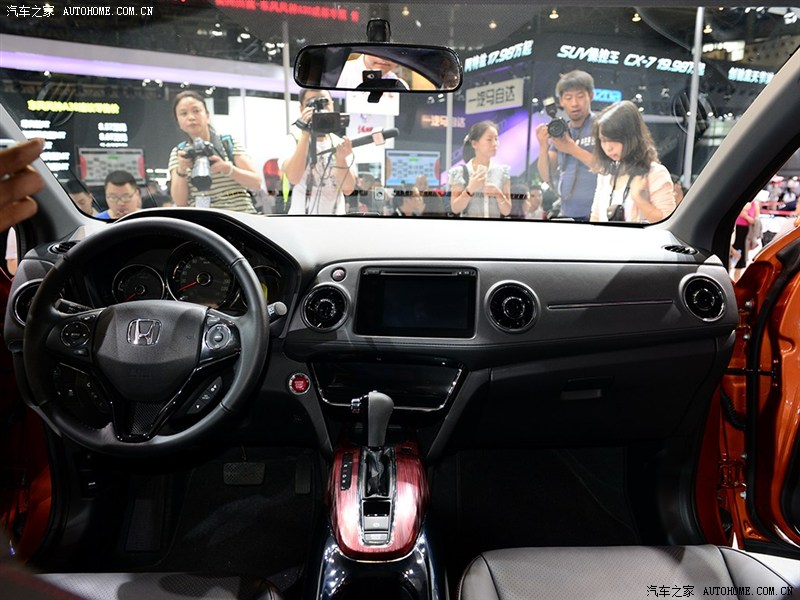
259,529
515,498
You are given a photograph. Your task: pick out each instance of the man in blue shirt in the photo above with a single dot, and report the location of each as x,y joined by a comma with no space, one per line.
569,156
122,195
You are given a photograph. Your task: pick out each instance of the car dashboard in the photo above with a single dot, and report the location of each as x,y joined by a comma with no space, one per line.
507,318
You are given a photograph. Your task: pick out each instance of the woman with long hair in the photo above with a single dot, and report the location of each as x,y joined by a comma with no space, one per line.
631,184
480,187
231,172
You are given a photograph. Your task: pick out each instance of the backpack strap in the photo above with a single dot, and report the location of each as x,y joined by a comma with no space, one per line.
227,144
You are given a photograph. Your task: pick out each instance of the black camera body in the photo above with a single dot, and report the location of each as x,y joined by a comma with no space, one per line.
326,122
615,213
329,122
556,127
199,151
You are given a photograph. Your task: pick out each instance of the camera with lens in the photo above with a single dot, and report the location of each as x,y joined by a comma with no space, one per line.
556,127
199,151
326,122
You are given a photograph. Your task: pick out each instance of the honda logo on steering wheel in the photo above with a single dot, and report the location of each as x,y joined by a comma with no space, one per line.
144,332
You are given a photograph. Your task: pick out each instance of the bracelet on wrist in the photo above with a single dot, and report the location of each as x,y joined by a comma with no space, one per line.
467,192
230,171
179,174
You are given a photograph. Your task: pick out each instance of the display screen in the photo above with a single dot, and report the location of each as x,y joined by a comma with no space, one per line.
404,166
434,303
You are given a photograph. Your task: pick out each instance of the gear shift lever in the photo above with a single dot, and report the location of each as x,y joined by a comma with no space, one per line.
376,458
379,410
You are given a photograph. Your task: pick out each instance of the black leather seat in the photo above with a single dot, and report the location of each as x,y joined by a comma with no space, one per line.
620,572
134,586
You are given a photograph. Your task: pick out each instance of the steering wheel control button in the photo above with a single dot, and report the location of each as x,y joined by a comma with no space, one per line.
299,383
75,334
218,336
208,395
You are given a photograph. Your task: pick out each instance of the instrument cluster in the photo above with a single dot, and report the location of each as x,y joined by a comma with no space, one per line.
186,272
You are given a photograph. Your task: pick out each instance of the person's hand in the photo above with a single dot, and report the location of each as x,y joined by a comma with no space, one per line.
184,163
477,182
18,180
305,115
564,144
493,191
543,136
639,191
343,151
417,205
220,166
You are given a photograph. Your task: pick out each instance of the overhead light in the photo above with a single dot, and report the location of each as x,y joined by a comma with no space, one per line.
790,17
406,12
554,14
707,29
636,18
417,23
492,24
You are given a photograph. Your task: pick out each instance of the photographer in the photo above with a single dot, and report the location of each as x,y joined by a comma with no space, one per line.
210,171
319,185
569,146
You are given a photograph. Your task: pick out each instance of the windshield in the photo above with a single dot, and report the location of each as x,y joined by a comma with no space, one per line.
563,113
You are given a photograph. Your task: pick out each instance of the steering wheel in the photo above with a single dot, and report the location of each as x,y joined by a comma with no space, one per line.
149,364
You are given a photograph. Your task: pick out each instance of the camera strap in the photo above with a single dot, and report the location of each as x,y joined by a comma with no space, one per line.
625,192
577,135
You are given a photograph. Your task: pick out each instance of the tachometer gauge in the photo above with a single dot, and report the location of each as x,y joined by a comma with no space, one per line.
194,275
137,282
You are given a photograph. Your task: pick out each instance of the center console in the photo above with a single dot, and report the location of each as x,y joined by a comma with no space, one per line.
375,543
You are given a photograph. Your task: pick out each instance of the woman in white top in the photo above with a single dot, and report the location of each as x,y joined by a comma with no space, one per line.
480,187
631,184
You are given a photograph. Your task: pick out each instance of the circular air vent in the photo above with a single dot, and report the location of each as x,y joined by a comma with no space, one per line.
62,247
512,307
680,249
705,298
325,308
23,299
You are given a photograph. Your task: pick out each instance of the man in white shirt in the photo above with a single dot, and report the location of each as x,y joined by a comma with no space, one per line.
353,72
320,187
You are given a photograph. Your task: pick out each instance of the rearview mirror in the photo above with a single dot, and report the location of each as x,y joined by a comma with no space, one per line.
378,68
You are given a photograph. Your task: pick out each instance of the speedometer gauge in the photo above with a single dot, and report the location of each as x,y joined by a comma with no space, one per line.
193,275
137,282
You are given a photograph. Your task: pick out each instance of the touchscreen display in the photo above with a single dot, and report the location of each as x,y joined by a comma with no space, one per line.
435,304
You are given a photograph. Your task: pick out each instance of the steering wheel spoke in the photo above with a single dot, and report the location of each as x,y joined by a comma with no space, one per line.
71,338
221,339
139,421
